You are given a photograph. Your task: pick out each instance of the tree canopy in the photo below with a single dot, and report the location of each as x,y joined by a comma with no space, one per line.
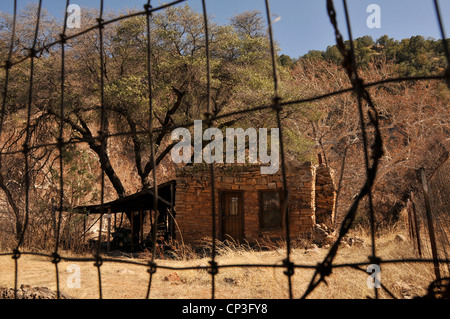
414,56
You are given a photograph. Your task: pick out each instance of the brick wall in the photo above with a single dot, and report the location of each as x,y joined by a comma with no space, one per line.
193,199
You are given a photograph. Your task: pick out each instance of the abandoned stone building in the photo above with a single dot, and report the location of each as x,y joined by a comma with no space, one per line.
248,204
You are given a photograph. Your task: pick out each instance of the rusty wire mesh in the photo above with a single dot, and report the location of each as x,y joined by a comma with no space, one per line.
373,150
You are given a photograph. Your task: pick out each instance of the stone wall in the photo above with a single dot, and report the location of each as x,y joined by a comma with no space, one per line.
325,195
193,199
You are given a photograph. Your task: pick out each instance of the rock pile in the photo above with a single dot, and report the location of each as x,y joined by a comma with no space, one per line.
174,279
324,235
400,239
27,292
353,241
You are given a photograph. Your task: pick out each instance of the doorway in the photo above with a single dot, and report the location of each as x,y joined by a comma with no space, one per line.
232,217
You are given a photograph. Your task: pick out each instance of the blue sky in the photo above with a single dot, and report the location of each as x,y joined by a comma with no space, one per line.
304,24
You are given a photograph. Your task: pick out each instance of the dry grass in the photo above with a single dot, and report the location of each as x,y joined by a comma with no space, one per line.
130,281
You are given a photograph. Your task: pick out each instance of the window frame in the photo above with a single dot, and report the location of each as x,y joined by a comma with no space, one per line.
261,206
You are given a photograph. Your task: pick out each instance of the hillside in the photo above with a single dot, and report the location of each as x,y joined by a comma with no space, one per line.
416,56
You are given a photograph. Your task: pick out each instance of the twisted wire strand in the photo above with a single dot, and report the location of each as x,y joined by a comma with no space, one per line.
152,264
349,63
26,149
56,257
278,109
103,139
208,115
377,147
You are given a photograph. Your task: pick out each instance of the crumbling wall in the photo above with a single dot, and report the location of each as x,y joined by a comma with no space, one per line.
325,195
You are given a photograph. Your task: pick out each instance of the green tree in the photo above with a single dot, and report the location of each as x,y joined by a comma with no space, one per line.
332,53
285,60
364,42
314,54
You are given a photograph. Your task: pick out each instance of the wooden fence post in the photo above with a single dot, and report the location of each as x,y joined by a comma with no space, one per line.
416,225
430,223
410,223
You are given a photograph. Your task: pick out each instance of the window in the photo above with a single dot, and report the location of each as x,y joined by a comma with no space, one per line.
234,205
270,209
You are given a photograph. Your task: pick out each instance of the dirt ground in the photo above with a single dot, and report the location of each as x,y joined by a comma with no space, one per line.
124,281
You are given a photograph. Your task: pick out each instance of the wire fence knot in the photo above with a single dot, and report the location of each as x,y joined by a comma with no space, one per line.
100,23
8,64
56,258
98,261
358,86
33,52
63,38
25,148
59,142
16,254
214,270
289,268
276,104
208,117
324,269
375,260
102,136
148,8
152,268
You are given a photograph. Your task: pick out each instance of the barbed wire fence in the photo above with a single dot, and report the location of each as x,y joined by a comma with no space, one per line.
440,201
368,118
431,242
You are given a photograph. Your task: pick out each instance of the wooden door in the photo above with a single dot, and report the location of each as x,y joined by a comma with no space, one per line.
232,216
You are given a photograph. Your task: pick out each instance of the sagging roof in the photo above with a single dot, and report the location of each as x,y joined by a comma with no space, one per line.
143,200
